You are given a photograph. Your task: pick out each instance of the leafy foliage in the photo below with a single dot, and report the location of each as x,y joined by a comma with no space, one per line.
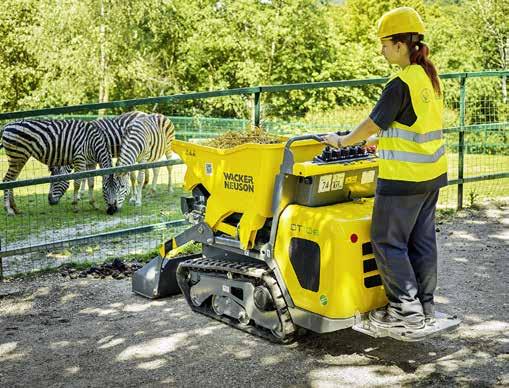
62,52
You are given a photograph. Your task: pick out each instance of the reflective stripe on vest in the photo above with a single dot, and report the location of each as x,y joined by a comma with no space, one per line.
412,136
411,156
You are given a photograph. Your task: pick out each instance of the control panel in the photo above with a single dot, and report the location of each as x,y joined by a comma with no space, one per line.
330,154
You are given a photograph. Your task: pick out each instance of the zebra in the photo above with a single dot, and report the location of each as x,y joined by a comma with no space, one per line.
114,130
147,139
57,143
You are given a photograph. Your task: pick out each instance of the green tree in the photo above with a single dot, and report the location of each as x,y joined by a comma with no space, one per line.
62,52
18,75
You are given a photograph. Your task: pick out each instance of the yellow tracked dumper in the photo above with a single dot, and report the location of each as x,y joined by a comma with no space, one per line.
285,235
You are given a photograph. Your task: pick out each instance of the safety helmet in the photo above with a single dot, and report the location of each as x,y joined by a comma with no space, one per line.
399,21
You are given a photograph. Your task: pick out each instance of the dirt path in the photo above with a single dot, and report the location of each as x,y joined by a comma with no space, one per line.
56,332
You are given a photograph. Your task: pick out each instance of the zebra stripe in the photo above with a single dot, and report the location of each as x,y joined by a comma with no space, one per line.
55,143
113,130
147,139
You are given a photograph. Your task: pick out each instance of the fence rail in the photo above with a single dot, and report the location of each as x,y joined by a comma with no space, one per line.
132,223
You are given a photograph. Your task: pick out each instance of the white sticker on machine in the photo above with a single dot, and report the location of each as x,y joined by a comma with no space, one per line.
337,181
325,183
368,176
208,169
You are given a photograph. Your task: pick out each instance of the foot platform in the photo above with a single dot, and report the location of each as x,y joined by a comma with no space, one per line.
443,323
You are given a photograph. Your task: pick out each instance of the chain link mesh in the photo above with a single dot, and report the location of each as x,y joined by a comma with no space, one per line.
45,233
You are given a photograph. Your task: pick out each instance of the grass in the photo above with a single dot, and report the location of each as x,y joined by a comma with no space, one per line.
39,217
476,165
41,223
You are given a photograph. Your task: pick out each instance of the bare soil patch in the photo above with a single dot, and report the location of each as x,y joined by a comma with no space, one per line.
85,332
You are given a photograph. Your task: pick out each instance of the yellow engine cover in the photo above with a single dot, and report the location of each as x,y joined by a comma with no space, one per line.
326,261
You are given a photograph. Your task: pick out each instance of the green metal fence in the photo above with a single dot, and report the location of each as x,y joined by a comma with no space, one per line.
476,130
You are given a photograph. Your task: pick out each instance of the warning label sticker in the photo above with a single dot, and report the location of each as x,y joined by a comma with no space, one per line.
351,179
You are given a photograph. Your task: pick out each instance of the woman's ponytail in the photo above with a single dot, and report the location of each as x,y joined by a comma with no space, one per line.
419,55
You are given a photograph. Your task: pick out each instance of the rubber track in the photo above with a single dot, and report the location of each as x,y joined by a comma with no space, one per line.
259,274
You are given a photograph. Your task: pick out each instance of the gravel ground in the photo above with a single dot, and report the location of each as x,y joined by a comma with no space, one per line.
57,332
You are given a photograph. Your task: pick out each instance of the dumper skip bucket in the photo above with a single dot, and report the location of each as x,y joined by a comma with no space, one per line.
239,180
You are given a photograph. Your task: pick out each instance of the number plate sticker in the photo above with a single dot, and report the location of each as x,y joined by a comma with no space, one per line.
368,176
337,181
325,183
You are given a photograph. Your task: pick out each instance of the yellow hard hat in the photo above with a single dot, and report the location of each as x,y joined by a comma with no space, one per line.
399,21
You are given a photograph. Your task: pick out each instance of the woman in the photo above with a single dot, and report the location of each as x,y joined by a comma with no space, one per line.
412,168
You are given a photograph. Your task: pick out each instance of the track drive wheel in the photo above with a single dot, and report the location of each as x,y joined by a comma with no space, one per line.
216,306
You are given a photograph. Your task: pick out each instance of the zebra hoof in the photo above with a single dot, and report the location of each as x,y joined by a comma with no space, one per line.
137,204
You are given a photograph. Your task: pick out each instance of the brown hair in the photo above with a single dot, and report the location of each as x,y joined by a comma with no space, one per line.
419,55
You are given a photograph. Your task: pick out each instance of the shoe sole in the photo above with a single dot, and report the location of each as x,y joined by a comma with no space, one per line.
399,324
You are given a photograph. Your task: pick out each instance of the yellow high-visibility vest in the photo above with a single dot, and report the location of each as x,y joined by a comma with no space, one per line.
415,153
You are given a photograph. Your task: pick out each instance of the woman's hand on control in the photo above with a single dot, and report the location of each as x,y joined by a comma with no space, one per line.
332,139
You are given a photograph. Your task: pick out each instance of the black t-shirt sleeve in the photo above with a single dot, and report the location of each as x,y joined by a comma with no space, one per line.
391,103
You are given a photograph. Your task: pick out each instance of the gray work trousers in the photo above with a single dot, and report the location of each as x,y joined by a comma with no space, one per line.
404,243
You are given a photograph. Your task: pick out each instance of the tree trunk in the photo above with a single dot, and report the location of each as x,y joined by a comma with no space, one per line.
103,81
505,59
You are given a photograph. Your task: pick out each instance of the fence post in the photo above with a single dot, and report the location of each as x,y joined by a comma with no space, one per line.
256,109
461,143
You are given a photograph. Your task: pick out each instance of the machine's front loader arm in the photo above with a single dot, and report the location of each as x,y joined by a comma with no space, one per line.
200,232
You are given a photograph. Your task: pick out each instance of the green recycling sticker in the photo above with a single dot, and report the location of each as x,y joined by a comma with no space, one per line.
323,300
